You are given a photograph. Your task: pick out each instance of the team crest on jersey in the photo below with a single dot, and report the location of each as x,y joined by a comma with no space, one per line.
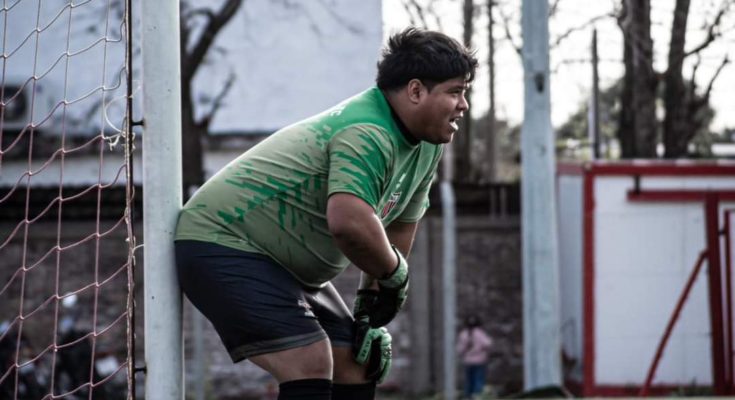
390,204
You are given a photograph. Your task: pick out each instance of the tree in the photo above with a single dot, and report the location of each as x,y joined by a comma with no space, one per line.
685,109
638,132
193,53
576,127
611,108
465,169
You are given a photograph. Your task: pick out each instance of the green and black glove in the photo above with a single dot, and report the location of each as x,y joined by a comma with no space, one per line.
372,348
364,302
391,296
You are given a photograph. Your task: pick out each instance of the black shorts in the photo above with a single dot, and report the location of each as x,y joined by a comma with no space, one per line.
256,305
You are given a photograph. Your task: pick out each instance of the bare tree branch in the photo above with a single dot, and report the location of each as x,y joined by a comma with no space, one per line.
329,8
508,34
188,15
583,61
215,23
692,80
219,99
553,8
432,11
585,25
415,11
713,31
411,17
707,92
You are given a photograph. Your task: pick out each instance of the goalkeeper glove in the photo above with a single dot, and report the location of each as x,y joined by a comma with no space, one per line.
391,296
372,348
364,302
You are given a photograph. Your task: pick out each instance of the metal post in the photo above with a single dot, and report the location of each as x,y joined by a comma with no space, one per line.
162,197
714,275
728,303
449,290
541,339
594,120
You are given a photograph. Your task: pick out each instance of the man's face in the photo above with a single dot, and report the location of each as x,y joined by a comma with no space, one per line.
440,110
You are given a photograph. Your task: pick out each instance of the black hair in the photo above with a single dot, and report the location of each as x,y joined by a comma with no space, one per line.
472,321
429,56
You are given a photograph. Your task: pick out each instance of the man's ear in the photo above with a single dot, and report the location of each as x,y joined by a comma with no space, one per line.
414,88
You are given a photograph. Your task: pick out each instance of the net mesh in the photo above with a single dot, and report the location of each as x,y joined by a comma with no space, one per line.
66,200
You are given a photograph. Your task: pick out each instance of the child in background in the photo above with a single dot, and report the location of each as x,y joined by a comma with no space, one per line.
473,345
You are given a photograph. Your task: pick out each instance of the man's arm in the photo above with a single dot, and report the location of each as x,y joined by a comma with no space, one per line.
401,234
359,234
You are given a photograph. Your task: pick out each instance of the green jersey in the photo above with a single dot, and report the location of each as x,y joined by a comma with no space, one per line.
273,198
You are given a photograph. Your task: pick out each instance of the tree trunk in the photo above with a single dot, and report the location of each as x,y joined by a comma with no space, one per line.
641,76
492,141
192,57
191,141
677,127
626,123
464,170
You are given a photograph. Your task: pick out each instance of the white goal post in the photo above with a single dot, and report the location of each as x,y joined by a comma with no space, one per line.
162,198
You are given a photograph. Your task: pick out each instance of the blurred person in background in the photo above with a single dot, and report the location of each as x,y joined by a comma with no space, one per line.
473,346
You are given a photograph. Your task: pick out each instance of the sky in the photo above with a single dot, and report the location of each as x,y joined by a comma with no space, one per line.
570,64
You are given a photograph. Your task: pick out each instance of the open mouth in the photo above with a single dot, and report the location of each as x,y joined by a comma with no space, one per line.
454,123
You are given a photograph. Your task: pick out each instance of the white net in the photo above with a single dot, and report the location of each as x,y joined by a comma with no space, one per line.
66,196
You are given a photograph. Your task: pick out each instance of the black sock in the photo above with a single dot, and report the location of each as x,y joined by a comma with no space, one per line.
362,391
305,389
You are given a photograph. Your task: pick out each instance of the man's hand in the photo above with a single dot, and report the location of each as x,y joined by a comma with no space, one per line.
372,347
364,302
391,296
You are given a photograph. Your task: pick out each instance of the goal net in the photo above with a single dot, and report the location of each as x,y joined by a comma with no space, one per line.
66,200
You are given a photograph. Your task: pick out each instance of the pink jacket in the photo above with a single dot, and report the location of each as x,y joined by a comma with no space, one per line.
473,346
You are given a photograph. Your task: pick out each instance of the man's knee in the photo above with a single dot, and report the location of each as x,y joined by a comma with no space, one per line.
346,369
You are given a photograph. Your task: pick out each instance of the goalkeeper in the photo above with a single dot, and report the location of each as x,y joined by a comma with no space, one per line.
259,242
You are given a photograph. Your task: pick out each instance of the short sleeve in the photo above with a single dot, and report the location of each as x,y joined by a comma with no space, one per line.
358,163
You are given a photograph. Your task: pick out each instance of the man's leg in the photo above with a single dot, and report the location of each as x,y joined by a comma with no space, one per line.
313,361
303,373
260,313
349,382
349,377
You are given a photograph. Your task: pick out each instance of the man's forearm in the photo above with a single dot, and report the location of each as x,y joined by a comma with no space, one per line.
401,235
359,234
368,249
